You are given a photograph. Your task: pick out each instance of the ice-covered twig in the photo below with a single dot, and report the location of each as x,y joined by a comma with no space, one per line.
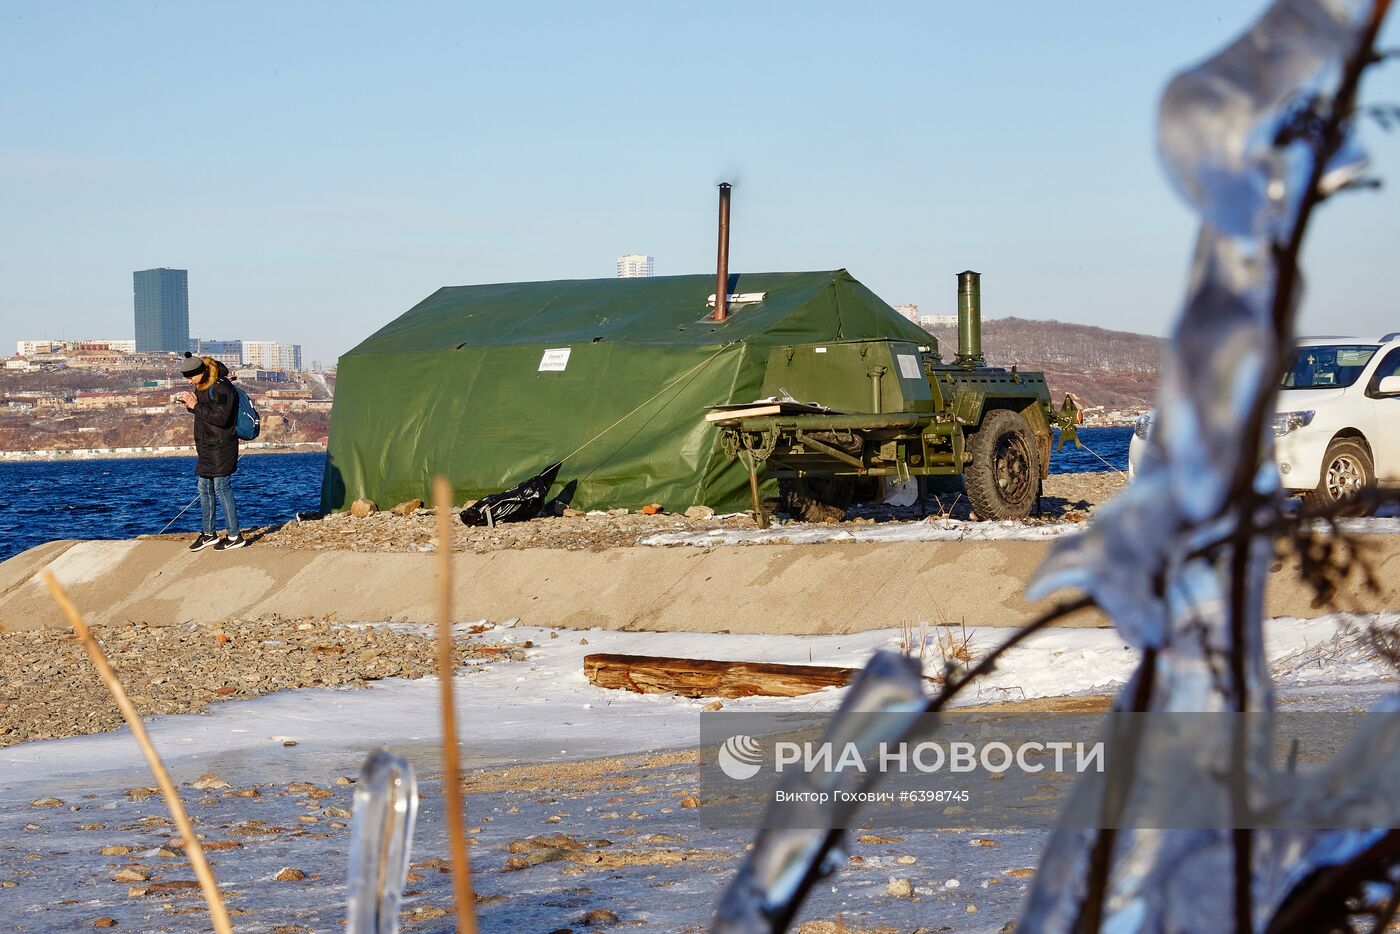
1325,144
784,864
386,809
953,686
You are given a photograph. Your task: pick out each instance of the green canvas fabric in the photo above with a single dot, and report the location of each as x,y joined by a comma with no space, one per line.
453,386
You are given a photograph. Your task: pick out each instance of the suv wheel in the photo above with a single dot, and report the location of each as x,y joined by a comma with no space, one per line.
1346,471
1003,478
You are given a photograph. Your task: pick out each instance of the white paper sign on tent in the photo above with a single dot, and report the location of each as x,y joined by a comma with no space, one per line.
555,360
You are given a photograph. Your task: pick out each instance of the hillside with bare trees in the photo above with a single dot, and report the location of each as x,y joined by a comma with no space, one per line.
1113,369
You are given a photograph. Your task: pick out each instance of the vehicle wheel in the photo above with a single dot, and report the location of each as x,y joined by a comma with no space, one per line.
1003,475
1346,471
816,499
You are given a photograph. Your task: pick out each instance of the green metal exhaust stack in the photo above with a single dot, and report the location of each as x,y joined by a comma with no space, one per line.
970,320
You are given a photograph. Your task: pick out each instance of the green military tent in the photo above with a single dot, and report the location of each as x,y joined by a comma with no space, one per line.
489,384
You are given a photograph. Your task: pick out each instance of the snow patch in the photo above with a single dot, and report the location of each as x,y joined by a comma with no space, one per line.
933,529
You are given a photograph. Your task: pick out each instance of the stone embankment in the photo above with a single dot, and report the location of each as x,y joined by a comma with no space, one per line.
590,571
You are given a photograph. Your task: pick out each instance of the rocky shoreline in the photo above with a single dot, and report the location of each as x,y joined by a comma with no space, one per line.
1068,498
48,688
182,450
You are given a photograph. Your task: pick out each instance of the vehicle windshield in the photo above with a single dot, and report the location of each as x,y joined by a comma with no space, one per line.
1327,366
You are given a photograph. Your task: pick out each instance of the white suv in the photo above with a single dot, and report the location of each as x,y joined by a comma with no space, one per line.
1337,426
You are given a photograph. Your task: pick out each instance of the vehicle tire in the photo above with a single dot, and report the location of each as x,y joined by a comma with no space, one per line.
816,499
1346,471
1003,473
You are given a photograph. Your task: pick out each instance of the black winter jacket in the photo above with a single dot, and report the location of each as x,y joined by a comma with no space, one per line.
215,442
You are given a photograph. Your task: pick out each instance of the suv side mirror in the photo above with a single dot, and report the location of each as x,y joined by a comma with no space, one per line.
1390,386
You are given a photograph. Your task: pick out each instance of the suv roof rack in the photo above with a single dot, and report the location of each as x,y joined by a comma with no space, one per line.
1390,337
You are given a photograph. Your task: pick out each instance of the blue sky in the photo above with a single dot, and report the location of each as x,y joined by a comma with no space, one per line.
320,167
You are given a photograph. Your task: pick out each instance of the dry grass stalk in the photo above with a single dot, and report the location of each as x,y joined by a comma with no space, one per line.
203,873
945,512
909,640
954,645
462,891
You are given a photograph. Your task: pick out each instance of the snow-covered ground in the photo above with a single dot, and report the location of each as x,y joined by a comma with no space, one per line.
658,866
932,529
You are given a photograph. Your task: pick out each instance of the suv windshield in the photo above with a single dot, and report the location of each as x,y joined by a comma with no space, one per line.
1327,366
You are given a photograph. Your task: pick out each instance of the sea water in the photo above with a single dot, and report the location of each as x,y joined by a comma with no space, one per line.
123,497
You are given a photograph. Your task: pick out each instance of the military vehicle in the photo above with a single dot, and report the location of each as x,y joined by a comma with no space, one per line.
889,408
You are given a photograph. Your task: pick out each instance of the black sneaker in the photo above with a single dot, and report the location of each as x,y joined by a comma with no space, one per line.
203,542
235,541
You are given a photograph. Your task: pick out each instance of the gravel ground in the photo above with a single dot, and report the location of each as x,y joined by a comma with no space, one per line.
1067,498
48,688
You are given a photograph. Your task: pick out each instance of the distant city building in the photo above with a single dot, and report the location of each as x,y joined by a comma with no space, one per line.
35,348
909,311
264,376
938,321
162,304
634,266
104,400
229,353
54,360
93,355
271,355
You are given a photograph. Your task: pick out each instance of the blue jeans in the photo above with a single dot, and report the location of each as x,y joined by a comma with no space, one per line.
220,487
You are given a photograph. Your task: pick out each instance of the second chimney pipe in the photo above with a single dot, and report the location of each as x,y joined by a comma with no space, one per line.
970,319
722,263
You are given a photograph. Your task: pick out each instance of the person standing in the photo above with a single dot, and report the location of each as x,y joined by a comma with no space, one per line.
215,407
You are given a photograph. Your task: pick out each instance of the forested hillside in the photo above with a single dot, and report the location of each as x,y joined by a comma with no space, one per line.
1112,369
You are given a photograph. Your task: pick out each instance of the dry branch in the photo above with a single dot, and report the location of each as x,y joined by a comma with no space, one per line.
193,849
451,765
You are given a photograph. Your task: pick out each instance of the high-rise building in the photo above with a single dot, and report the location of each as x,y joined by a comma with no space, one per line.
162,300
271,355
634,266
909,311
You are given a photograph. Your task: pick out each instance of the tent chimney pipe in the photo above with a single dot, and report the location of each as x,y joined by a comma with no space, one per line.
722,264
970,319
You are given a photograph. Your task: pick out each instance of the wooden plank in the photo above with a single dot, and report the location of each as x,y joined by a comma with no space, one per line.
703,677
723,413
752,411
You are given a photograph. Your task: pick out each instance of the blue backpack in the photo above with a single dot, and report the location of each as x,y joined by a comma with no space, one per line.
248,422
